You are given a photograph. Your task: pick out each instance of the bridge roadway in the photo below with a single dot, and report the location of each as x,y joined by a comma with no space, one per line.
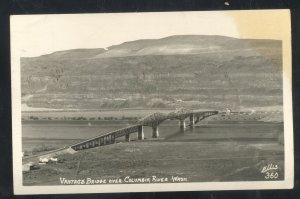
152,120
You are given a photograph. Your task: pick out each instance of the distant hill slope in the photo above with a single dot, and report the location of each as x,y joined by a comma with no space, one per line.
193,71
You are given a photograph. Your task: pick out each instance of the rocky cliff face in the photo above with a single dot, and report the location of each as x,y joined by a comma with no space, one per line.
190,71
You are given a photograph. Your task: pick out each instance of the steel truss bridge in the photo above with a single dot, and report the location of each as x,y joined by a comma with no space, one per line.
153,120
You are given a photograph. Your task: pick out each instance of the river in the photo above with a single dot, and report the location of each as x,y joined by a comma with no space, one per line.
56,134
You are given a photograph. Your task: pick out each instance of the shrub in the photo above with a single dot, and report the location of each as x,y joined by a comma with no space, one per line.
33,118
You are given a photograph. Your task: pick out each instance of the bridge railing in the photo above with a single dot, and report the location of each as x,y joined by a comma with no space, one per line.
116,134
173,115
109,137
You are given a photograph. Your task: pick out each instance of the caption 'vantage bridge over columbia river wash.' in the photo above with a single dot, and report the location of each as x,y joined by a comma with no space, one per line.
152,120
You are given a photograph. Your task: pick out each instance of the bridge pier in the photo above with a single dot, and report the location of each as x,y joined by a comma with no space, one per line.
197,120
141,135
92,144
112,139
155,132
192,120
182,124
108,141
127,137
95,143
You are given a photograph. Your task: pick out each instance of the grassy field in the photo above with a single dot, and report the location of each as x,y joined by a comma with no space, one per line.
194,161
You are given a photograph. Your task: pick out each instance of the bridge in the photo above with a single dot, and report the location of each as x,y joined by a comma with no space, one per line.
152,120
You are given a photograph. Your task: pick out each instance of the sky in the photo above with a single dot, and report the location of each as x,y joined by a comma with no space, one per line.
35,35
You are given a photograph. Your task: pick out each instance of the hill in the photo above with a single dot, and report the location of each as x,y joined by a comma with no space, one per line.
193,71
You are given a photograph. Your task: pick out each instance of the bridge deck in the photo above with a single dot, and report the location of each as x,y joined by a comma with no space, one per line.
150,120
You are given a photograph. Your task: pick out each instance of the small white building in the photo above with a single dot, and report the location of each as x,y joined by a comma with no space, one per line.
43,160
28,166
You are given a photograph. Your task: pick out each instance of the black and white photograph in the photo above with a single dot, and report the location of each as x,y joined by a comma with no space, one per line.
157,101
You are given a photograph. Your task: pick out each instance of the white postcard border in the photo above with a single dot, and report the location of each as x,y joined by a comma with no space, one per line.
287,183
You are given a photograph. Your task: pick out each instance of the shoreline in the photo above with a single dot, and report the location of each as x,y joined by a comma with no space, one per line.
89,117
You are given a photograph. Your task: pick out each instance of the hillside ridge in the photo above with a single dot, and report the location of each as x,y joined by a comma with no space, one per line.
177,71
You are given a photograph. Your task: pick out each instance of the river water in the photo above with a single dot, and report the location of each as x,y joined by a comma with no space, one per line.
57,134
